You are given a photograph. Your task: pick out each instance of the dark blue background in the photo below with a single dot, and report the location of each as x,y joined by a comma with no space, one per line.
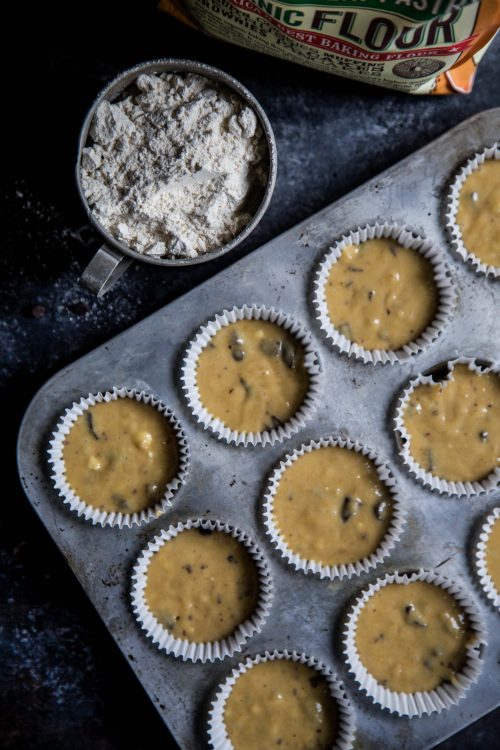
63,683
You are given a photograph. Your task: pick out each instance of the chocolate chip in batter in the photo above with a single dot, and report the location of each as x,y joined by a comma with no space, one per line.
245,385
271,348
350,507
236,347
289,355
90,425
414,617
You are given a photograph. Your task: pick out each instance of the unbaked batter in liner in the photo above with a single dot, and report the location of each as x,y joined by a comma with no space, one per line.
281,704
454,425
332,507
201,585
381,295
251,376
478,214
493,554
412,637
120,455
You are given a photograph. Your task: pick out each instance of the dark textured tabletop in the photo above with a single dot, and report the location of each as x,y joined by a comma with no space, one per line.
63,683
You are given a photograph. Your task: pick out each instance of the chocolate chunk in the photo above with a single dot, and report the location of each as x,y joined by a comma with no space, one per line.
245,386
90,424
413,617
289,355
236,347
350,507
271,348
274,423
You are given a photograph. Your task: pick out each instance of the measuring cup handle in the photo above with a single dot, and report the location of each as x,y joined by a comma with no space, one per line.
104,269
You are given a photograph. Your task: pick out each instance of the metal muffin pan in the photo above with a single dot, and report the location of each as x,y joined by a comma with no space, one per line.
227,482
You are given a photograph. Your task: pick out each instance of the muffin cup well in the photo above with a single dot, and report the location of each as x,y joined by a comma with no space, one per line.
443,486
485,578
215,425
180,647
491,152
406,238
218,737
447,694
89,512
346,570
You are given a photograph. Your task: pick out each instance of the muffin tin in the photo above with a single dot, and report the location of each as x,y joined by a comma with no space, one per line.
227,482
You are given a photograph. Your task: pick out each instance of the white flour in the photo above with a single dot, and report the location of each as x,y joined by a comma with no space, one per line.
176,169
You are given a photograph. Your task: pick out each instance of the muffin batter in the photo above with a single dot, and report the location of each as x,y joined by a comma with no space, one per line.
412,638
201,585
493,554
454,425
478,214
381,295
332,507
120,455
281,704
251,376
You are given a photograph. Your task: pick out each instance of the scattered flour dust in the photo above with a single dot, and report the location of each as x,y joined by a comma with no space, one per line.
177,167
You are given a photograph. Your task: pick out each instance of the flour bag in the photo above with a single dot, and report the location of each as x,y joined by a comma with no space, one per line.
415,46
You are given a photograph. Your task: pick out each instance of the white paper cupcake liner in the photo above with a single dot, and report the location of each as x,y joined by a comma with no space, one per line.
485,579
215,425
492,152
438,484
441,698
180,647
88,512
311,566
218,737
407,238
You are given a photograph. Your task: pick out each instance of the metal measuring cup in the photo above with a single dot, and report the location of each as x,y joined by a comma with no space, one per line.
114,257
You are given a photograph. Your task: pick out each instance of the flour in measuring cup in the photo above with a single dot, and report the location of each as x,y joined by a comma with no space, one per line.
177,167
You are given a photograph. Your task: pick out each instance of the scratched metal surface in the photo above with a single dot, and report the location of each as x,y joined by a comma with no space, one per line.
226,482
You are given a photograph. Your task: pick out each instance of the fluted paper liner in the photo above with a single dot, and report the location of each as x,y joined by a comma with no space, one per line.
215,425
181,647
439,484
406,238
485,578
345,570
218,737
89,512
491,152
445,695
